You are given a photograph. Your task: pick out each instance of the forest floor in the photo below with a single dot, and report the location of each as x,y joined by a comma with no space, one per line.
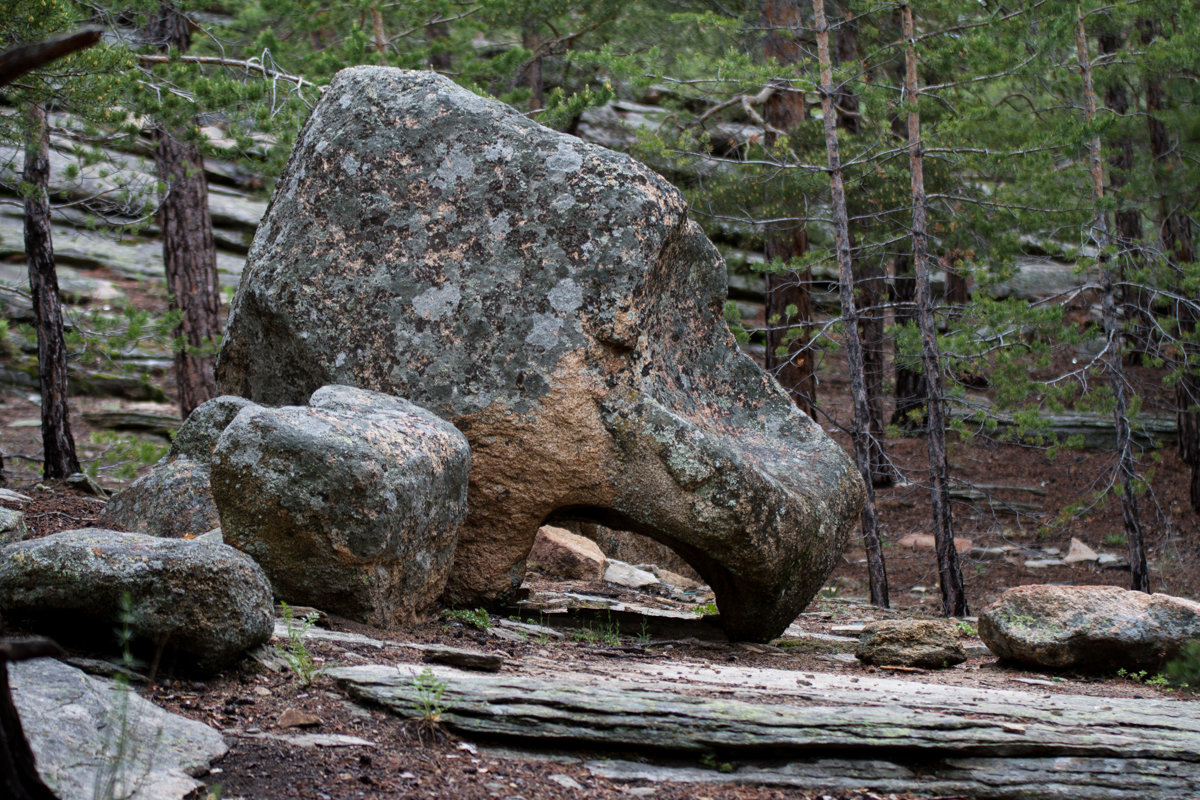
1027,488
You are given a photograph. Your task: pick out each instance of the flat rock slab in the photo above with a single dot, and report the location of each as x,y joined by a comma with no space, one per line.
92,739
825,729
466,659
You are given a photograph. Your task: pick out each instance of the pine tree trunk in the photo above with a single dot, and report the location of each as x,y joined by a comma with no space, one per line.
861,430
954,599
1140,576
909,413
788,335
1179,249
378,33
1134,301
870,285
436,35
531,75
189,252
58,445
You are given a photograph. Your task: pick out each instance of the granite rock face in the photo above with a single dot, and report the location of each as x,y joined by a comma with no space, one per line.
1092,628
351,505
552,300
208,602
174,499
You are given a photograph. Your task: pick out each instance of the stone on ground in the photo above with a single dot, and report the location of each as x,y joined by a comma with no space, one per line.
924,643
174,498
629,576
562,554
94,738
1079,553
1092,628
552,300
12,526
207,602
926,541
351,505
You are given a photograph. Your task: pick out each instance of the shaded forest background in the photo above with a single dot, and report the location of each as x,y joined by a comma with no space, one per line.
950,222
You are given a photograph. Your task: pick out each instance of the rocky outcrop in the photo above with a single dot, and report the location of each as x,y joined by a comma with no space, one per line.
174,499
1092,628
552,300
562,554
924,643
207,602
351,505
94,738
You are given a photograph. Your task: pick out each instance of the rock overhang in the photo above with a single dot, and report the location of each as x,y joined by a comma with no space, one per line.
552,299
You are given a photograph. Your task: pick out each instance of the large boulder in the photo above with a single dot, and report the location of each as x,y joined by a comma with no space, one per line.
552,300
351,505
174,499
1093,628
203,600
95,738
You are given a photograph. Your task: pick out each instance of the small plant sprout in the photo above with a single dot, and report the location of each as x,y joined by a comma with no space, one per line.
294,652
476,618
430,703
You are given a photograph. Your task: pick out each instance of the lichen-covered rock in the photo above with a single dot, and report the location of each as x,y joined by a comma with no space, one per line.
352,505
206,601
925,643
1093,628
174,499
552,300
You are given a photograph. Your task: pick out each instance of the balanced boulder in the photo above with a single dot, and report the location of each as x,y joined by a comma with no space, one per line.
173,499
206,601
1092,628
351,505
553,301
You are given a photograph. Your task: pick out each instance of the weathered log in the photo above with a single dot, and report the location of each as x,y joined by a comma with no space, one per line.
892,735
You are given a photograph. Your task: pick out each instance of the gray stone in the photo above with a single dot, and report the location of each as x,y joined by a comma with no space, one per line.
207,601
174,498
94,738
351,505
1092,628
925,643
466,659
552,300
12,526
629,576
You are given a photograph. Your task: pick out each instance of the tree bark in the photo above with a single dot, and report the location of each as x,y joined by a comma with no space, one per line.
954,599
189,252
17,61
861,430
531,75
1134,301
58,445
1175,229
1139,574
436,36
378,34
788,336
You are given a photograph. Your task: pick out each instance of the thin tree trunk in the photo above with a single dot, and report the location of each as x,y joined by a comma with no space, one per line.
870,285
1179,249
378,34
909,413
861,430
58,446
954,599
189,252
1133,300
789,335
437,34
531,76
1139,574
